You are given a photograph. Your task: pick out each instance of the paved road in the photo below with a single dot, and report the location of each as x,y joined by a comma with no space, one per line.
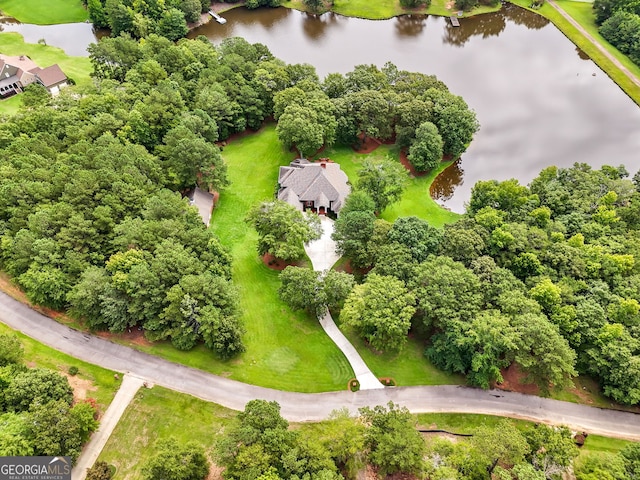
311,407
322,253
604,51
128,388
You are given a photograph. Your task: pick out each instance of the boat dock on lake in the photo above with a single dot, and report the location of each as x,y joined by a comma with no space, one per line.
454,21
218,18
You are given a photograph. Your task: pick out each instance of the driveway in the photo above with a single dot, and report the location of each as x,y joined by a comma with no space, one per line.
323,255
311,407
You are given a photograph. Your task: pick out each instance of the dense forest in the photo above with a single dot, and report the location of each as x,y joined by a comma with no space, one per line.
38,415
545,276
619,22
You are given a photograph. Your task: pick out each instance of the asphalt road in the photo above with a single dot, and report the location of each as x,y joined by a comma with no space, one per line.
311,407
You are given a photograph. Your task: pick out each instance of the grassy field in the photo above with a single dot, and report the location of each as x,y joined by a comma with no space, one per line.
415,200
103,385
409,367
285,350
581,11
382,9
76,68
158,413
47,12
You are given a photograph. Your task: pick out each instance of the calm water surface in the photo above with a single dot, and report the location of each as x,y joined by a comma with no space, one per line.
535,94
73,38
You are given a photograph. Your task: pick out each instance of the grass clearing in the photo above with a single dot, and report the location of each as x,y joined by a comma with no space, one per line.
285,350
45,13
159,413
37,354
547,11
416,199
76,68
409,367
384,9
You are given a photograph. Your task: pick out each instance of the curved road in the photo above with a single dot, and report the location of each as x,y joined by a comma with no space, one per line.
308,407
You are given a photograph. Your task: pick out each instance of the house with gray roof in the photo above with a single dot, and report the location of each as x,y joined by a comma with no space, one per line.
320,186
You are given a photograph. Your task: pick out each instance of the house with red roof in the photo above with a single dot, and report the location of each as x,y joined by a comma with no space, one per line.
18,72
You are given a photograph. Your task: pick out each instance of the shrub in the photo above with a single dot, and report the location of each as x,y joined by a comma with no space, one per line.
73,370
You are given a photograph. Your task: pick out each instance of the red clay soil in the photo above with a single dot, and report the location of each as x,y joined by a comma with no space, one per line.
512,382
407,164
275,263
133,336
368,146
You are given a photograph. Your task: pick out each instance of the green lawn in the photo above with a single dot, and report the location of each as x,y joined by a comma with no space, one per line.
409,367
37,354
47,12
76,68
581,12
415,200
285,350
383,9
158,413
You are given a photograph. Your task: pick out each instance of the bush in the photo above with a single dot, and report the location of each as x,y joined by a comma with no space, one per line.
99,471
73,370
354,385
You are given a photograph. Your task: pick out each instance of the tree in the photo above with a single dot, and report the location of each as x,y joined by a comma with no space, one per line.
314,5
305,289
395,446
417,235
35,96
99,471
542,353
299,126
301,289
11,350
384,180
455,121
58,429
36,386
283,230
552,450
425,153
380,310
502,444
191,10
177,462
190,159
172,24
631,458
352,232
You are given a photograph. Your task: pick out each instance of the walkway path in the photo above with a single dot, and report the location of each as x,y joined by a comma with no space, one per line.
128,388
597,44
311,407
322,253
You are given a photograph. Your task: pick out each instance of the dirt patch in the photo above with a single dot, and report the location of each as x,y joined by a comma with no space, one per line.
448,436
276,263
215,471
133,336
367,145
407,164
81,387
513,381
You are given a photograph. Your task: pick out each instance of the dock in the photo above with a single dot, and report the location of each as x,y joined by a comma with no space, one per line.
454,21
218,18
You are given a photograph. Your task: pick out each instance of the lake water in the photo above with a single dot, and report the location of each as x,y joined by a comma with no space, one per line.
535,93
540,101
